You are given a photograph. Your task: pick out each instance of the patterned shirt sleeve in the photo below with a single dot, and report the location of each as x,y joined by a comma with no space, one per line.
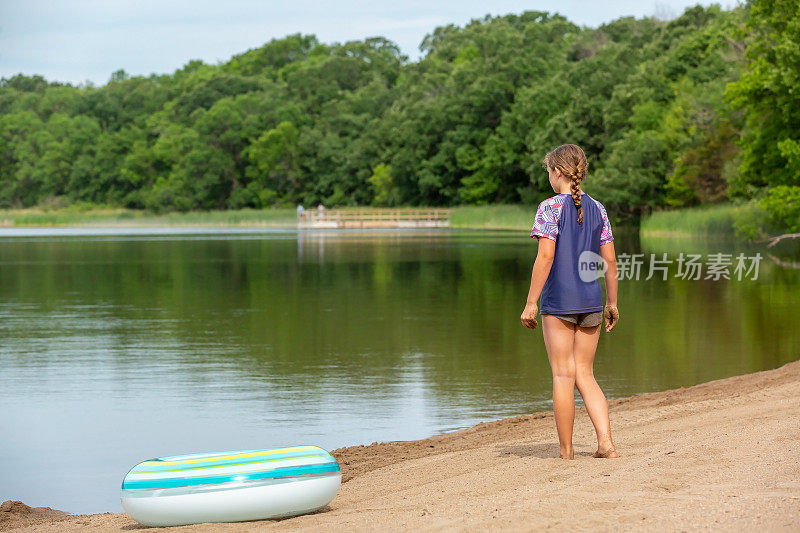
605,235
545,224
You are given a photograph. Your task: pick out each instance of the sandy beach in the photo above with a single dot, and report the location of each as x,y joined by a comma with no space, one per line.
723,455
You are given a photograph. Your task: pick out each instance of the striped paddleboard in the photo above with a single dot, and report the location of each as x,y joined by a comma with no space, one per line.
230,486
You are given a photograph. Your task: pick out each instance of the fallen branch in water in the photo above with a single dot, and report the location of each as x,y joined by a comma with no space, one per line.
775,240
784,264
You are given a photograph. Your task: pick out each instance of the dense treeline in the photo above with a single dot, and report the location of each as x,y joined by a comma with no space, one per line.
694,110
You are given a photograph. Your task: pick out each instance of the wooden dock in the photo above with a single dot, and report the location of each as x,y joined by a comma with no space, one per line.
374,218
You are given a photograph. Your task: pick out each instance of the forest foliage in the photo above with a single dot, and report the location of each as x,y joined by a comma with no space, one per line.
690,111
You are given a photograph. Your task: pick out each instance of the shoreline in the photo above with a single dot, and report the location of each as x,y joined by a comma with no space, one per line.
489,217
695,457
493,216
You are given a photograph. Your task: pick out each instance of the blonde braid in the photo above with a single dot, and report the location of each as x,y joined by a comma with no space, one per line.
576,196
571,162
577,179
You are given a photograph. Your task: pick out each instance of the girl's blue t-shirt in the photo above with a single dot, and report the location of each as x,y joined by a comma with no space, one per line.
569,290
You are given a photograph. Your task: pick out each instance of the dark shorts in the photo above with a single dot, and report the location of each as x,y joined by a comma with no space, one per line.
584,320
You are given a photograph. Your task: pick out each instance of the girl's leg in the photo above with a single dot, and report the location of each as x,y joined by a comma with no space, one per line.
559,337
593,397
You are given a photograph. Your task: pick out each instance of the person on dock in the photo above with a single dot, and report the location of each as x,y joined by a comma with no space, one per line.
575,247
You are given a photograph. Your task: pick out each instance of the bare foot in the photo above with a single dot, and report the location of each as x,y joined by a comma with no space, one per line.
567,453
605,454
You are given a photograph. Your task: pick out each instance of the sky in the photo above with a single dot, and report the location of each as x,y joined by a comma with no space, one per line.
80,41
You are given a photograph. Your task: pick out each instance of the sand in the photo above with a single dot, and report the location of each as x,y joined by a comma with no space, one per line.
723,455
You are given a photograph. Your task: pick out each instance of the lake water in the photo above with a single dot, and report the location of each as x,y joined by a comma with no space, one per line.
118,346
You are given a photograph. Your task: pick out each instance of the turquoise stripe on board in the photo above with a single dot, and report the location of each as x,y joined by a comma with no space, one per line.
210,464
230,470
205,480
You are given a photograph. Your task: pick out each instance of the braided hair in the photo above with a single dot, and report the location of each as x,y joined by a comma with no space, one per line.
570,161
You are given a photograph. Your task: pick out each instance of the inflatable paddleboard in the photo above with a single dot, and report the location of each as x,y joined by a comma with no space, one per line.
230,486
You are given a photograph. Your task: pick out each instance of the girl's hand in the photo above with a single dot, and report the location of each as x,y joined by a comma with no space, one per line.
611,315
528,316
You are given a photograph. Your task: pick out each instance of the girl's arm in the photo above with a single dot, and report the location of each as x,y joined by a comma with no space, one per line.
541,269
610,312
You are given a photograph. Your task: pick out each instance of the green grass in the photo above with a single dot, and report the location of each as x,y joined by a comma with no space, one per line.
514,217
709,221
716,220
478,217
285,217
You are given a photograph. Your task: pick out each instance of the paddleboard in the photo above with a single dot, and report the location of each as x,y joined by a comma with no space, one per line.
230,486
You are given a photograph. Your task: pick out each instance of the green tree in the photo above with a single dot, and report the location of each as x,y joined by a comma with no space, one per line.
767,93
382,185
273,169
358,123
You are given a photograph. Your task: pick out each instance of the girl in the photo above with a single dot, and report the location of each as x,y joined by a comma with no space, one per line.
568,226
